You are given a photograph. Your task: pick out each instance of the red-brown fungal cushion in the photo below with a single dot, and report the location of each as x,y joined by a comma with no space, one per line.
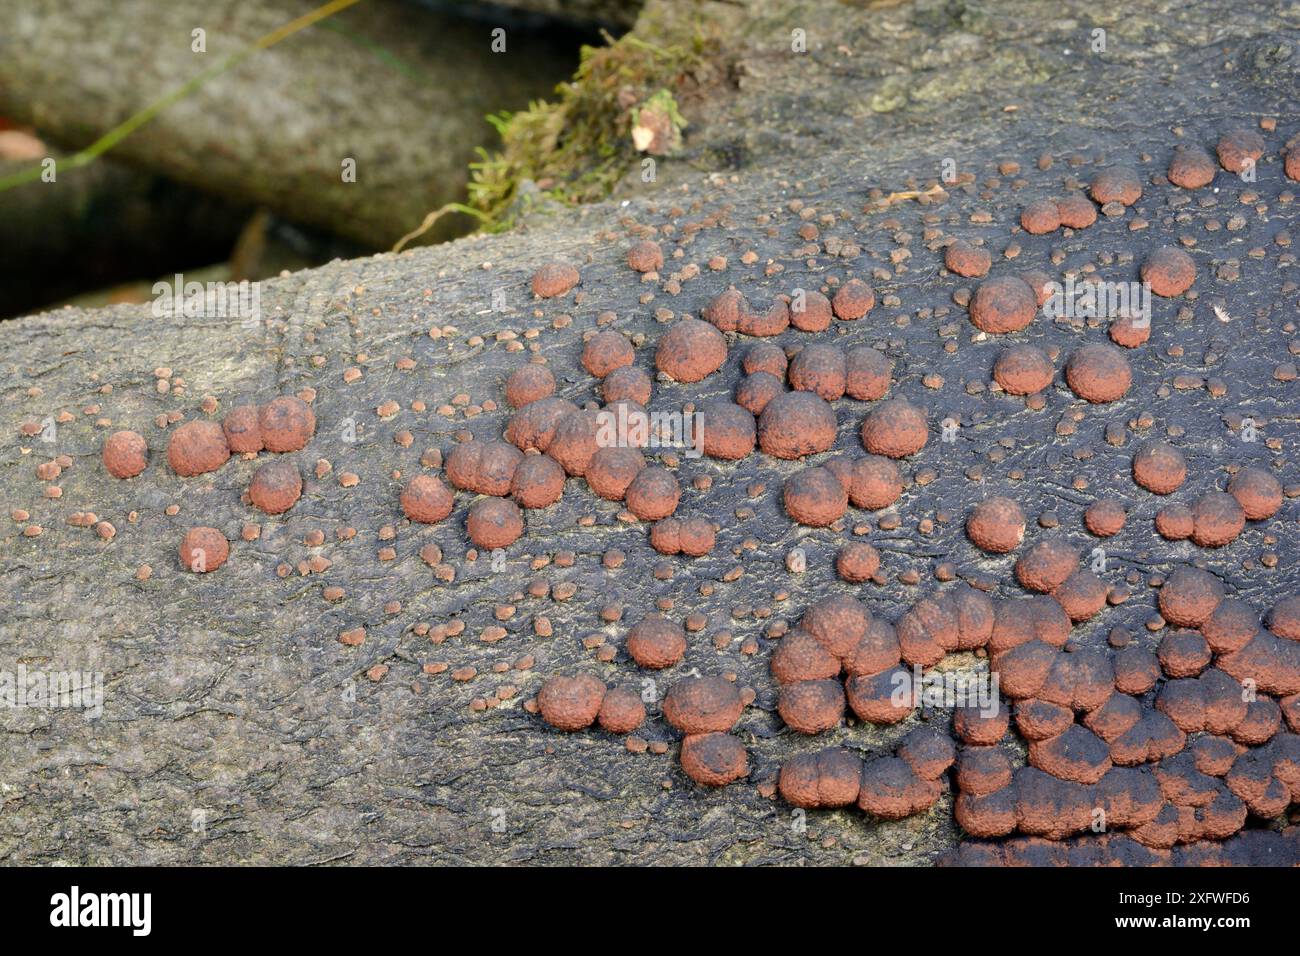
1039,217
1046,565
838,623
527,384
1042,720
702,705
1075,211
795,424
714,759
1082,595
275,487
1023,669
204,549
1004,304
1217,519
811,706
612,470
892,790
766,357
645,256
895,428
656,642
1159,467
874,483
757,390
1258,493
813,314
726,311
928,752
243,433
627,382
1272,662
1098,372
827,778
927,631
883,698
1291,163
1183,654
877,651
538,482
1116,184
486,468
1078,755
820,369
197,447
857,561
1023,370
533,426
986,815
1284,618
1105,517
1175,522
494,523
653,494
996,525
1114,718
125,454
981,770
1017,621
853,300
1189,596
426,499
980,726
575,440
690,351
1230,626
1129,331
815,497
1136,670
1169,270
1239,148
571,703
606,351
772,322
966,260
554,278
867,373
1191,167
621,711
801,657
286,423
728,430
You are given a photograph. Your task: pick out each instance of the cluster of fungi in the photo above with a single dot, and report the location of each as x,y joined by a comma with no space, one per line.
1176,745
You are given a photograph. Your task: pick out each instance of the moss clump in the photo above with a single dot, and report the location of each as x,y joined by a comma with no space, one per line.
576,147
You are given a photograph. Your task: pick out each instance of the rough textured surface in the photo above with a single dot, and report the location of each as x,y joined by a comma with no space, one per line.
238,727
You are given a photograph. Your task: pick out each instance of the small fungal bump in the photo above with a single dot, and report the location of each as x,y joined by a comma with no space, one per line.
276,486
571,703
895,428
815,497
1002,305
795,424
203,549
125,454
690,351
853,300
286,423
996,525
494,523
1023,370
554,279
1169,271
1098,373
243,431
426,500
714,759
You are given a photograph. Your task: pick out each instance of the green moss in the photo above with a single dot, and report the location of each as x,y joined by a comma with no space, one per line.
575,147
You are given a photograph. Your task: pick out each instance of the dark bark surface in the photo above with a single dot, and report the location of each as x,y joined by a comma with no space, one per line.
237,728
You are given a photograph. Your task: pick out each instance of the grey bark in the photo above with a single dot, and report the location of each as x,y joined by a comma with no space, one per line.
400,91
236,728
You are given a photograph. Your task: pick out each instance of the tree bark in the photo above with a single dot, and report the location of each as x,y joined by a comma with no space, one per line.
398,93
237,728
